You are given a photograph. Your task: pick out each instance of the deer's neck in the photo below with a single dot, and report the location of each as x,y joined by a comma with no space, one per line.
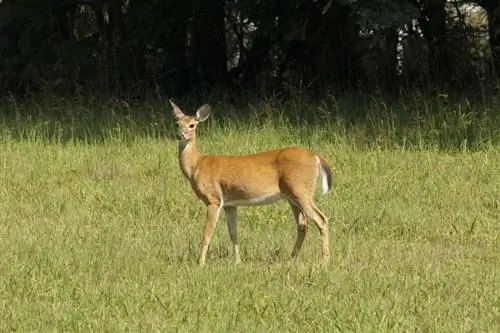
188,157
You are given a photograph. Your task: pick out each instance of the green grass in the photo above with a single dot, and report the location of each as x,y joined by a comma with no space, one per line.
100,232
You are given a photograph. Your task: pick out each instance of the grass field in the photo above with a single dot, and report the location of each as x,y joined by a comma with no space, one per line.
100,233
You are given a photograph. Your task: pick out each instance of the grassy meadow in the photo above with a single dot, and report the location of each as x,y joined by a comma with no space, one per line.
99,231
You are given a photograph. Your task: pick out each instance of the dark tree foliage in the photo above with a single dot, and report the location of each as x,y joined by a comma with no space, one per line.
136,47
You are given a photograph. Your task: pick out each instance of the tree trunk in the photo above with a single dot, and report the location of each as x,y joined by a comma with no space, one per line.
434,29
389,59
331,36
492,8
209,58
65,25
104,75
120,65
174,42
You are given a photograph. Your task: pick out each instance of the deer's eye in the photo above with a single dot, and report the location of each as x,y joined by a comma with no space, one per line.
191,125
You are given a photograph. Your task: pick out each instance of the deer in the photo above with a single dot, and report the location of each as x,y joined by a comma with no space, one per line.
224,182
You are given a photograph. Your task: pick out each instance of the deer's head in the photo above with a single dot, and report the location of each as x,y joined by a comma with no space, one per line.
186,125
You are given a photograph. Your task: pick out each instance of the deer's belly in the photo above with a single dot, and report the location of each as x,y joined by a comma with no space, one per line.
254,201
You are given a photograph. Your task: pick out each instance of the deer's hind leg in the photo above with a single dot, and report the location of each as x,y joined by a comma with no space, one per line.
307,207
301,223
301,196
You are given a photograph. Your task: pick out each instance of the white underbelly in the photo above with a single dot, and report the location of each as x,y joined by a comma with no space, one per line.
255,201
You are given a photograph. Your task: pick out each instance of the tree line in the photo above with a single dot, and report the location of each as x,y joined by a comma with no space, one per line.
138,47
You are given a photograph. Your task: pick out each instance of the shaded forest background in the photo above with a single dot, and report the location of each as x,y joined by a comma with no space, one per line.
140,49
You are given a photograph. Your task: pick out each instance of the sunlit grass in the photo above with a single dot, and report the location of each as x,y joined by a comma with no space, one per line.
100,232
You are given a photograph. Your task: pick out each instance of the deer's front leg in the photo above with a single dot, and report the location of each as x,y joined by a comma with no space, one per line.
232,220
210,222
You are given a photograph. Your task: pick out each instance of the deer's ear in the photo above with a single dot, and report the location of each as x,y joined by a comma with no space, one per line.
203,112
178,114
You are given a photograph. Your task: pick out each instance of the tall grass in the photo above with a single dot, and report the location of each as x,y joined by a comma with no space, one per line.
413,122
100,232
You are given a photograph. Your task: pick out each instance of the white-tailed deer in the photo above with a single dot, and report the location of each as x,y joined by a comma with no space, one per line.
225,182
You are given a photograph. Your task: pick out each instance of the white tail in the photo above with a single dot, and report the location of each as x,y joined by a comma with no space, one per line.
225,182
326,175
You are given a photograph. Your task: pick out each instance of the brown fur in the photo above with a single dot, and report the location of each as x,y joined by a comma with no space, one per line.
225,182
